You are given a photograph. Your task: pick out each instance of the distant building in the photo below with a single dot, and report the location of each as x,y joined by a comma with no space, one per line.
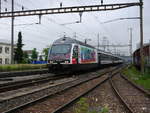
5,52
40,59
29,52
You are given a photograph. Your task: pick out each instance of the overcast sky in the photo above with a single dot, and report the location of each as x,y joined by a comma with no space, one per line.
52,26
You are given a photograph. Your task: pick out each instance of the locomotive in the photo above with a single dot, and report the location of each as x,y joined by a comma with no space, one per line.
70,54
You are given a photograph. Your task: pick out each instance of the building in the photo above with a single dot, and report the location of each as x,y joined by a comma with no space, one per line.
29,52
5,52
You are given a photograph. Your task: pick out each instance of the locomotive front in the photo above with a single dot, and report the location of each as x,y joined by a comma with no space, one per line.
59,54
59,57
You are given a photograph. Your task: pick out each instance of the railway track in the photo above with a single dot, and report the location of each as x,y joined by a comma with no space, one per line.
22,73
30,82
32,97
135,99
43,78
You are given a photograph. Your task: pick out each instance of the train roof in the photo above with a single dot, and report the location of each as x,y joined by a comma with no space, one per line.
144,46
68,40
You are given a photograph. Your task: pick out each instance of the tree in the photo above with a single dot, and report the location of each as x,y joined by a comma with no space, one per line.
40,58
18,51
45,51
26,57
34,55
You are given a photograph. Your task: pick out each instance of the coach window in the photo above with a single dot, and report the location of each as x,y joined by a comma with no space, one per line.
7,50
1,49
1,61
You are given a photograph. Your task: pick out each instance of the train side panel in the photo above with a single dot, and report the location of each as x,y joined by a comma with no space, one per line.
87,55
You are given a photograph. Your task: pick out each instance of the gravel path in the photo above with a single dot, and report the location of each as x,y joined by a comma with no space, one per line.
138,101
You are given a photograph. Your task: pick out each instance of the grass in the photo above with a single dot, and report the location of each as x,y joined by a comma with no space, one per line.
84,107
20,67
135,75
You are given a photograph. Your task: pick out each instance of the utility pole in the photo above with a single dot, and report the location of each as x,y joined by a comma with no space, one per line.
12,33
141,36
104,43
0,7
130,43
80,14
86,39
98,40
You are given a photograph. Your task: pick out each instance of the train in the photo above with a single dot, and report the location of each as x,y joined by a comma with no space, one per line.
70,54
146,54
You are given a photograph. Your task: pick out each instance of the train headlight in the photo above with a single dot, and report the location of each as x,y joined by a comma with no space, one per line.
51,62
66,62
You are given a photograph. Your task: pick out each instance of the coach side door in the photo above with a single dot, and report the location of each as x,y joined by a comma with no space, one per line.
75,54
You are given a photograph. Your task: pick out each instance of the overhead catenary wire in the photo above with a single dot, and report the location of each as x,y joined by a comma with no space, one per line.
58,23
29,23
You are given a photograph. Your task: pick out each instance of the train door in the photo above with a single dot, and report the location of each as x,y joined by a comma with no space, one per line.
75,55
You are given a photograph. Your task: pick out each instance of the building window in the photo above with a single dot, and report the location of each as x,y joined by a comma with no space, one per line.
7,50
6,61
1,48
1,61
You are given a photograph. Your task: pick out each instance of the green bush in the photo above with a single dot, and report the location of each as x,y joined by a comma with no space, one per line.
83,107
136,76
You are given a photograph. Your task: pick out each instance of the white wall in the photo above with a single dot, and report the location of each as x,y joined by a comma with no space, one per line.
5,55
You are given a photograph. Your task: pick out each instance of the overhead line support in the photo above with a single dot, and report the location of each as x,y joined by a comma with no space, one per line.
141,37
74,9
12,33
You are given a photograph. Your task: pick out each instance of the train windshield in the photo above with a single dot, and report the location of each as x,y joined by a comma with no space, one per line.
61,49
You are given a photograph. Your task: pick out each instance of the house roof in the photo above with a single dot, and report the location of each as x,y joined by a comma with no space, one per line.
6,42
3,41
28,51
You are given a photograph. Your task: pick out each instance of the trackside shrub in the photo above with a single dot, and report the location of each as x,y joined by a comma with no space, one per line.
136,76
83,107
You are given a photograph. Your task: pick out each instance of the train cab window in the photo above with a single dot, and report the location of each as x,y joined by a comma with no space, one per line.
60,49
